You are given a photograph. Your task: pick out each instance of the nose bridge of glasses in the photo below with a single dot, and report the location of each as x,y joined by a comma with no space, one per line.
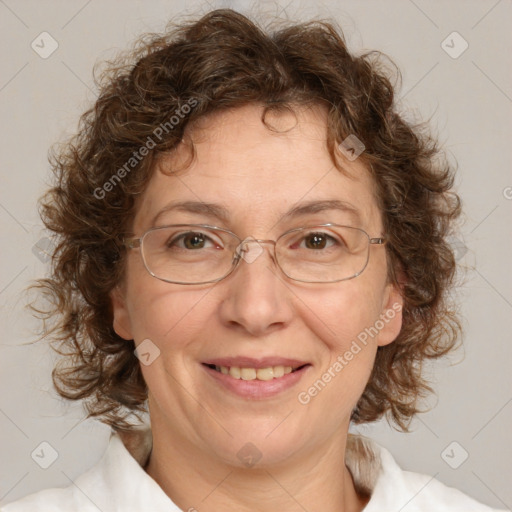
251,248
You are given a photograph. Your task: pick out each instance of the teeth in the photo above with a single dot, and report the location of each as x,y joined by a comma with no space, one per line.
272,372
278,371
247,373
234,371
265,373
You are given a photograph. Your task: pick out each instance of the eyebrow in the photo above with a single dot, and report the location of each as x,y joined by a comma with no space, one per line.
321,206
199,207
221,213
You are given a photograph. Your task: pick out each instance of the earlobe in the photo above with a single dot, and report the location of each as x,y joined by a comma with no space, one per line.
391,316
120,315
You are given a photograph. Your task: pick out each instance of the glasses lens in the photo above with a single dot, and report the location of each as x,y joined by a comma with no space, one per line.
323,254
188,254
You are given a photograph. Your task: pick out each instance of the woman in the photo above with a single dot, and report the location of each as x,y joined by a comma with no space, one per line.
252,248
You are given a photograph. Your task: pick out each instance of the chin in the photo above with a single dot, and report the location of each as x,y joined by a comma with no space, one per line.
258,444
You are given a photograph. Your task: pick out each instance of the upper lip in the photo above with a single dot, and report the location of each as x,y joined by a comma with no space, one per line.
251,362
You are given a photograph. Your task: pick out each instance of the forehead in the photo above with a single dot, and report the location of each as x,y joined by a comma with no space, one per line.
256,177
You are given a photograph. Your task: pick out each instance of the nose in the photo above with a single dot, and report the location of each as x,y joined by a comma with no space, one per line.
251,248
257,300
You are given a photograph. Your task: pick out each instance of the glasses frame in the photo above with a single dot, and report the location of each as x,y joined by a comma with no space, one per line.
138,243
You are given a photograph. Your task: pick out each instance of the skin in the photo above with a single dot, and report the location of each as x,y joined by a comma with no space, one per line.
198,427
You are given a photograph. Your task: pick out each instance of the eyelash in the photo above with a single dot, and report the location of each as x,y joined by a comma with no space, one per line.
176,239
182,236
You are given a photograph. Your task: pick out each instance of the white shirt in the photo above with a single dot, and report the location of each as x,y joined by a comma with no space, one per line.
118,483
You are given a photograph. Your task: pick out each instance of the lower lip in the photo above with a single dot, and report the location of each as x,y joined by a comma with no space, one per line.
257,389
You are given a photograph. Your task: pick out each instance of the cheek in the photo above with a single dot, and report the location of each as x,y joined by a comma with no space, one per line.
165,312
339,314
341,320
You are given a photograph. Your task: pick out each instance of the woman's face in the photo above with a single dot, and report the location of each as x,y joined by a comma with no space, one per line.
258,318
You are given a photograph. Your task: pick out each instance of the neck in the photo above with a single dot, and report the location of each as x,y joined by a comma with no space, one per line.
194,480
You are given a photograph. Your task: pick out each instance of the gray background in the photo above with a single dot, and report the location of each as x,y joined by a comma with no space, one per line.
469,99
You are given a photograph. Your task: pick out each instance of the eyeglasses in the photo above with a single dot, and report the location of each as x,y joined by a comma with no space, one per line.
200,254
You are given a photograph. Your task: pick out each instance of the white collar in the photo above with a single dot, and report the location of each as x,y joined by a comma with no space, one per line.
118,483
373,470
361,457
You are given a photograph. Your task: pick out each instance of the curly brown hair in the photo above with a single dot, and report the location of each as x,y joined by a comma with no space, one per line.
224,60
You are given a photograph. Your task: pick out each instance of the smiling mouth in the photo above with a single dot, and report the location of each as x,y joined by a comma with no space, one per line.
243,373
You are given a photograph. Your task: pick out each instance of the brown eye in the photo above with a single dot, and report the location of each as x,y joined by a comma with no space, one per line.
316,241
190,241
194,241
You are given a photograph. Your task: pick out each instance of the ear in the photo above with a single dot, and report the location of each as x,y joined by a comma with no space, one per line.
121,316
391,315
